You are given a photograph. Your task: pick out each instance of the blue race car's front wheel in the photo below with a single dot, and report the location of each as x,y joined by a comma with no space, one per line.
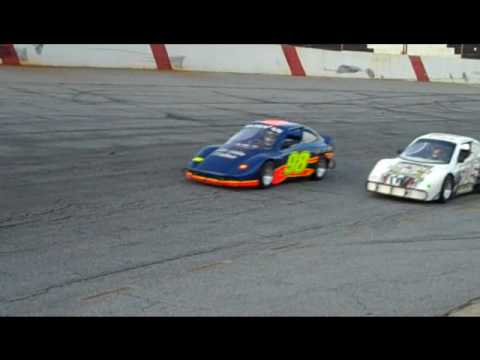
266,175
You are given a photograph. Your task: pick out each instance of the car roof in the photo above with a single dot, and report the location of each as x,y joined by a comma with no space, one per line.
283,124
457,139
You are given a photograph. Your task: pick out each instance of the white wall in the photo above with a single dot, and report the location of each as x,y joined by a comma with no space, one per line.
431,50
413,49
452,70
354,64
89,55
250,59
253,59
394,49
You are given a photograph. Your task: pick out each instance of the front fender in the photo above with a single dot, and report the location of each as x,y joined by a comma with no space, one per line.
254,165
379,169
207,150
203,152
433,184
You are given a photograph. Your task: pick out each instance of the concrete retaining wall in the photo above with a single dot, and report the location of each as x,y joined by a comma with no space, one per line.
249,59
351,64
89,55
442,69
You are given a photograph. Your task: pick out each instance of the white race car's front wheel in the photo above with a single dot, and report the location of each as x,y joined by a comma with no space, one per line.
446,193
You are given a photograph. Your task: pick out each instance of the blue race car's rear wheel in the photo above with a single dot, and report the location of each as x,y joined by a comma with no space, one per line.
266,175
320,169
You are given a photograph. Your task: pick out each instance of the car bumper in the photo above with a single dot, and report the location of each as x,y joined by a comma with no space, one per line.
211,179
391,190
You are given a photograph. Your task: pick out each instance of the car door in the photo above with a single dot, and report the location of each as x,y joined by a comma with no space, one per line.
295,156
476,162
466,172
298,156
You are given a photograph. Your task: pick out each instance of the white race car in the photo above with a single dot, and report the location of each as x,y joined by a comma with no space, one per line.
433,167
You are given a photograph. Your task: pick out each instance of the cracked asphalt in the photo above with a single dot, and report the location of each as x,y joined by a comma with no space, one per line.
97,219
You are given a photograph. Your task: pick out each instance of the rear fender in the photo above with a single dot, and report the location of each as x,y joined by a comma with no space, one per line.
329,153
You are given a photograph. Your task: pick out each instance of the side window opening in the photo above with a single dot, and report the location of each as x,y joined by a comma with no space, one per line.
465,152
292,138
308,137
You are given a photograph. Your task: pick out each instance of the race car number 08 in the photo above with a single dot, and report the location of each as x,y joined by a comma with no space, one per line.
297,162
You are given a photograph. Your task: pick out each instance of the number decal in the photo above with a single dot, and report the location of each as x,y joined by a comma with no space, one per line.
297,162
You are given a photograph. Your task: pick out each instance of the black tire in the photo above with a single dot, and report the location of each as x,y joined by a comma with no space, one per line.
447,183
321,164
476,187
266,171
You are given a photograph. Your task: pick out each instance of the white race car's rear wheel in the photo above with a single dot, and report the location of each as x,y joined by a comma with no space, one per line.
447,189
476,187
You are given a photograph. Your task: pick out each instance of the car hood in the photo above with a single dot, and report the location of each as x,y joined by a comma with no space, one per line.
226,161
404,173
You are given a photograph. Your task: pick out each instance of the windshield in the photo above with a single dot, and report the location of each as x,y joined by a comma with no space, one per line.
429,150
254,137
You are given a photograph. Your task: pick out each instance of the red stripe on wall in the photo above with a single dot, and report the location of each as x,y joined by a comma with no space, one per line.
418,68
293,60
161,56
8,54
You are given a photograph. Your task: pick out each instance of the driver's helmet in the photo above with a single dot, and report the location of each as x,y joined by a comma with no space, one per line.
438,152
269,138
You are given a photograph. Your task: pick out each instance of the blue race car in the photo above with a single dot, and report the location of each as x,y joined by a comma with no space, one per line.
262,154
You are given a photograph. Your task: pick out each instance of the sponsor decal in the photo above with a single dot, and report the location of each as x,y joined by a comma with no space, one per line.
467,175
238,153
295,167
297,162
406,174
228,154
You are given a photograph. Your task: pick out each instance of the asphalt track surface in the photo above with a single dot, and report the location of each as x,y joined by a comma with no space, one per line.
97,219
